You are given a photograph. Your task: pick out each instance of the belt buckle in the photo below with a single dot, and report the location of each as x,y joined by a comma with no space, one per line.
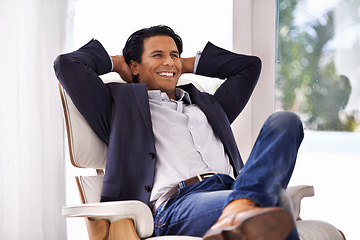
202,176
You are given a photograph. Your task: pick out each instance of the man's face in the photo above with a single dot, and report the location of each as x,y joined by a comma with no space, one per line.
160,66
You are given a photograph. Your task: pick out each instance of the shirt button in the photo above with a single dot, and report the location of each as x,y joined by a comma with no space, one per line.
152,155
147,188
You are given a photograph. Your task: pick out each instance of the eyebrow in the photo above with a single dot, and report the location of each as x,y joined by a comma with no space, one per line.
160,51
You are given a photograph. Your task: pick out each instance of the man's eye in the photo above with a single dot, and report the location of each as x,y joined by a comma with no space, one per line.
174,56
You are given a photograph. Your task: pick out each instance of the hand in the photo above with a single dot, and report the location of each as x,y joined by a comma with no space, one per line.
187,65
121,67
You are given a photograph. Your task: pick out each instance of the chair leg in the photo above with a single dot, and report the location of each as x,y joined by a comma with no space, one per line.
123,230
97,229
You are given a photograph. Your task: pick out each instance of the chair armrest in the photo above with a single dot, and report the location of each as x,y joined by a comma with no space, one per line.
297,193
139,212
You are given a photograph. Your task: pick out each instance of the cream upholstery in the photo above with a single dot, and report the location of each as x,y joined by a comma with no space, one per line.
297,193
91,187
317,230
81,138
88,151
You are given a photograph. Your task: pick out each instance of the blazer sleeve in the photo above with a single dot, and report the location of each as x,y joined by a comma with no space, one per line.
240,71
78,72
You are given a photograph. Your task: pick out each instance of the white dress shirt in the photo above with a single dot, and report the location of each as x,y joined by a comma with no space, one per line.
184,140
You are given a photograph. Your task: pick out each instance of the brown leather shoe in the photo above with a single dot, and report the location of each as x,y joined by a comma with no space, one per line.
242,220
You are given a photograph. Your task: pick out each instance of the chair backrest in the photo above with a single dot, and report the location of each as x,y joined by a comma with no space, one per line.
86,149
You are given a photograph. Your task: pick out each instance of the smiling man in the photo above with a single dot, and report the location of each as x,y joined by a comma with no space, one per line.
160,66
173,148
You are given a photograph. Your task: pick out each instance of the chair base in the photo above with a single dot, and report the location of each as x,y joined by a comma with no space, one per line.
123,230
97,229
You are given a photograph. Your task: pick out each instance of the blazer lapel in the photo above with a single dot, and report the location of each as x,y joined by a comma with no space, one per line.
143,104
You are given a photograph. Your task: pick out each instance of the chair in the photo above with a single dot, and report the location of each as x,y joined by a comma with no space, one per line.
133,220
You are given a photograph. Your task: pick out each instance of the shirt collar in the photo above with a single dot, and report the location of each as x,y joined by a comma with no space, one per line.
180,94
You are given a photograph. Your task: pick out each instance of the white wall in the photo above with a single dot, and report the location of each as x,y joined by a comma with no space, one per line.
254,29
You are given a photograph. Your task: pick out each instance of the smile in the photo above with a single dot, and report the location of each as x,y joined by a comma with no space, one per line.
166,74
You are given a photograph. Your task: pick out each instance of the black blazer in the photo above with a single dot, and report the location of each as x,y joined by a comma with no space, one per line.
120,115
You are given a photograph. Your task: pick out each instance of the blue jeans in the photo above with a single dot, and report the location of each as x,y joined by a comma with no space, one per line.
266,173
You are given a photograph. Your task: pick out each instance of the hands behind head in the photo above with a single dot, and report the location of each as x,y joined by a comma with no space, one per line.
121,67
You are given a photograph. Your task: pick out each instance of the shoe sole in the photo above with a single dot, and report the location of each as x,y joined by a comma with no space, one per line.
268,224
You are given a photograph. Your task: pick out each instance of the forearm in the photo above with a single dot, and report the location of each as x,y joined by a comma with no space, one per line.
240,71
221,63
74,68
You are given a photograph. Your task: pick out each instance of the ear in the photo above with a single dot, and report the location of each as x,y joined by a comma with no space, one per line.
134,66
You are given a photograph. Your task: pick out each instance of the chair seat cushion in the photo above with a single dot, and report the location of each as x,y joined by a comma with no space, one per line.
317,230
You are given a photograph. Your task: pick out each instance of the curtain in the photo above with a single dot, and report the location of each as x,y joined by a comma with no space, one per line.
32,184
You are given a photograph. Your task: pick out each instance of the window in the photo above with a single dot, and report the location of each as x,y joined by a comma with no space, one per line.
318,71
318,77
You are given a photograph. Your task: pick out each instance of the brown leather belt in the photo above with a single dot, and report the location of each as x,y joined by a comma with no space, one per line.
174,190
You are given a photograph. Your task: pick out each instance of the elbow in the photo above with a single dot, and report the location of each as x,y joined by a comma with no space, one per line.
62,65
63,68
60,61
57,66
257,64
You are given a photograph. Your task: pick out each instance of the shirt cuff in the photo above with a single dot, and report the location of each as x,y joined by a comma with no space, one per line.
112,64
197,59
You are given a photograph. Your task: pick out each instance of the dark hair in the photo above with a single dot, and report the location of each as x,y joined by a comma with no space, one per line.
134,46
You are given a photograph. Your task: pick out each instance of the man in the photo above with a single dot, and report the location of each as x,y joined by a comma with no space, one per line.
167,142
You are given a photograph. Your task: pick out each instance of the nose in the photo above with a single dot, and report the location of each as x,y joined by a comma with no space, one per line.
168,61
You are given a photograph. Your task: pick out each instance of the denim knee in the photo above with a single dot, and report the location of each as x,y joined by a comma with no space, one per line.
286,121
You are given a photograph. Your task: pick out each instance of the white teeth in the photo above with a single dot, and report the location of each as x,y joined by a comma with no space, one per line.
167,74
